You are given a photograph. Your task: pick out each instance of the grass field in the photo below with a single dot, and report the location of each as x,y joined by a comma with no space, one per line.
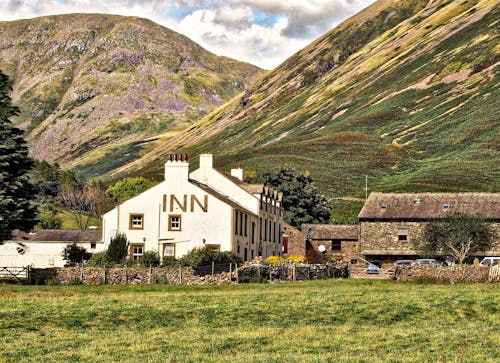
318,321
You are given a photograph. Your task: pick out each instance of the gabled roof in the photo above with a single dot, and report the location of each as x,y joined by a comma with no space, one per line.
430,205
250,188
223,198
59,235
331,231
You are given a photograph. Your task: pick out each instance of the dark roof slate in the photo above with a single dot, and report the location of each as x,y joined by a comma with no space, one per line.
331,231
59,235
419,206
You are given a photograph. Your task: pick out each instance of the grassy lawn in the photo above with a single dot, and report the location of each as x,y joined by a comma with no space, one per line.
318,321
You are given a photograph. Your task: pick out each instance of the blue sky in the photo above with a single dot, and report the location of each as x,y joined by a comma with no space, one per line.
261,32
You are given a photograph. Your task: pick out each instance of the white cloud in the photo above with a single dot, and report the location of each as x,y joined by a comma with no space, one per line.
262,32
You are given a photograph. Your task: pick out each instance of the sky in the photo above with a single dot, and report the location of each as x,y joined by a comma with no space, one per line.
261,32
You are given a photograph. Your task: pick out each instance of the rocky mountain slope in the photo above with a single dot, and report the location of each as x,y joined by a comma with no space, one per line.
405,92
101,90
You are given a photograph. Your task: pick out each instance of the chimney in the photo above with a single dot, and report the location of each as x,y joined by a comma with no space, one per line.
177,167
206,161
237,173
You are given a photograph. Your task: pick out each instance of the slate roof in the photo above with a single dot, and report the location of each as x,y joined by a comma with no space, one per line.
221,197
422,206
331,231
59,235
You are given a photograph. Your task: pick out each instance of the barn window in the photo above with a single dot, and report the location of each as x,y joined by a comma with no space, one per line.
402,234
336,245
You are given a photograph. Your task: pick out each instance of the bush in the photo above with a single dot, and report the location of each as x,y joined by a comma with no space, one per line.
206,255
99,259
272,260
75,254
296,258
49,221
169,261
150,258
118,248
75,281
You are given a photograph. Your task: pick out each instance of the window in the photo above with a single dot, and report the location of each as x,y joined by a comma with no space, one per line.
252,232
174,222
92,245
336,245
246,222
213,247
136,251
236,222
169,250
136,221
241,224
402,234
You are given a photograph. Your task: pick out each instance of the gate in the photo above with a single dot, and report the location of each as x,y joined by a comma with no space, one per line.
20,274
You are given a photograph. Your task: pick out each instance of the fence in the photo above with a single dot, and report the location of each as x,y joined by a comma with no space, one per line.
19,274
291,272
494,273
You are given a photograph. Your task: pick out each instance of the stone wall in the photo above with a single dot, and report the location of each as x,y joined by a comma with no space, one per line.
348,249
464,273
126,275
381,238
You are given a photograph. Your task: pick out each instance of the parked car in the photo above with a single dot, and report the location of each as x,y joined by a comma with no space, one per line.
403,262
490,261
371,268
428,262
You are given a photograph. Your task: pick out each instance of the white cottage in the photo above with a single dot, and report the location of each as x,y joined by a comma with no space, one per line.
202,208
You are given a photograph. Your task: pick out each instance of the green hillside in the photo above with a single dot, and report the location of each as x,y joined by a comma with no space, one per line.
405,92
101,90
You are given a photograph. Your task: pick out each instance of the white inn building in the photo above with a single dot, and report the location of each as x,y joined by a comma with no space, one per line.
201,208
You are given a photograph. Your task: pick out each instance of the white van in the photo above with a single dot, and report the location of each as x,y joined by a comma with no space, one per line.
490,261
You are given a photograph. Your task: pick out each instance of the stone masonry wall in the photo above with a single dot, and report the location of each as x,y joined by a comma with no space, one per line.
464,273
125,275
382,238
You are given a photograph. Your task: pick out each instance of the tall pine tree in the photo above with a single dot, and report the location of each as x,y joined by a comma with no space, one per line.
17,209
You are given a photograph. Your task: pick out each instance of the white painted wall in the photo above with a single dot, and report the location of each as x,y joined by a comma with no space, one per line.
40,254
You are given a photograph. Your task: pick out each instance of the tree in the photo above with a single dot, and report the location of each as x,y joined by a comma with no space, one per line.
301,200
127,188
457,236
75,254
83,204
17,209
118,248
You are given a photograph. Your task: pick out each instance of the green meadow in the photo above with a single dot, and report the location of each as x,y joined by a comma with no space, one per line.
316,321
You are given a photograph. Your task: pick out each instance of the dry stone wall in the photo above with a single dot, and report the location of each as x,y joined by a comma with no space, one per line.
126,275
452,274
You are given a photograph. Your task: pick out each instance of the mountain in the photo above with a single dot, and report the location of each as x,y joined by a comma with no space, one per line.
404,92
96,91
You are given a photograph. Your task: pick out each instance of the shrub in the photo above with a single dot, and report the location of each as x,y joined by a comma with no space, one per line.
99,259
150,258
206,255
296,258
75,281
75,254
118,248
49,221
169,261
273,260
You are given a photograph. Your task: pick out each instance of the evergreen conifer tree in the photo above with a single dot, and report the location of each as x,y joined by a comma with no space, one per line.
118,248
17,209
